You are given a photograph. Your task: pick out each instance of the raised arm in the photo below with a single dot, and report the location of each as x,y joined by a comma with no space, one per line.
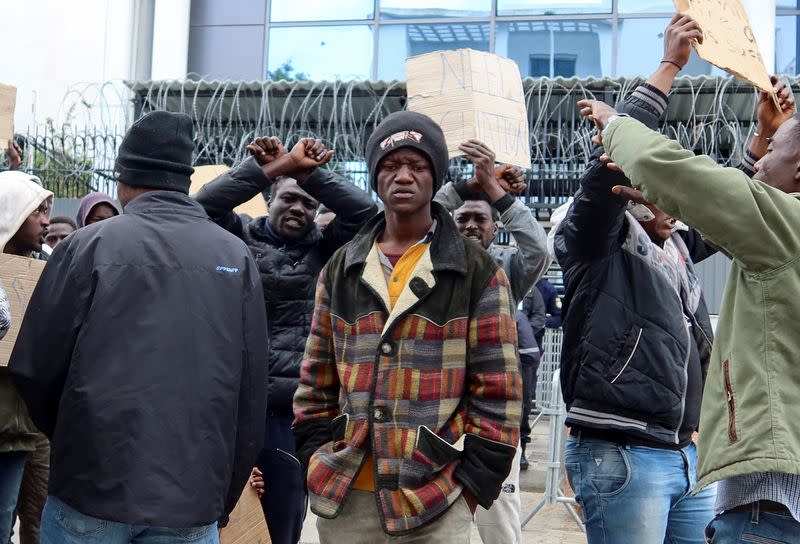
753,222
238,185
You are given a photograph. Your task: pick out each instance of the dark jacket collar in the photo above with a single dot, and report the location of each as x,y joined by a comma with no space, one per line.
447,246
258,230
165,202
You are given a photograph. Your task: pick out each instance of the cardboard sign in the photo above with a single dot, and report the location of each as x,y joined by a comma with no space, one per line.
247,524
19,276
8,100
728,40
255,207
472,94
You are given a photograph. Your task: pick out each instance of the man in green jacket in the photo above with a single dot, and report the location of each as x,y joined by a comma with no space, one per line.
748,424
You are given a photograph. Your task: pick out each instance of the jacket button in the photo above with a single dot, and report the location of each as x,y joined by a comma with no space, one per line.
386,348
378,415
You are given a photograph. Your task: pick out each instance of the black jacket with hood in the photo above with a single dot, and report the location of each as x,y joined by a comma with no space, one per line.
288,271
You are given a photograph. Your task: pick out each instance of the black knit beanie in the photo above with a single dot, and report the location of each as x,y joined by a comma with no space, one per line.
408,129
157,152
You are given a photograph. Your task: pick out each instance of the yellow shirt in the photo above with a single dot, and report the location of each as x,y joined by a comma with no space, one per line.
397,277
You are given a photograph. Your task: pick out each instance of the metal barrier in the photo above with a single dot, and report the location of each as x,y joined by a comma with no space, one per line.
554,491
548,367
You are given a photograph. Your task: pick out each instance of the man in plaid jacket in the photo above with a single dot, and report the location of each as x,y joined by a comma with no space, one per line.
407,414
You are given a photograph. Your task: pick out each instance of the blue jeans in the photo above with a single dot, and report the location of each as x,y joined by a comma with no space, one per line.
12,465
284,500
638,494
62,524
734,527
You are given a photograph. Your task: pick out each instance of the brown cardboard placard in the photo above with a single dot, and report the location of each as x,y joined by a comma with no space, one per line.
19,276
8,100
472,94
255,207
247,524
728,40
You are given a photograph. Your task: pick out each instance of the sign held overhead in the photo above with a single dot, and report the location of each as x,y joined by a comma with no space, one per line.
472,94
728,40
8,100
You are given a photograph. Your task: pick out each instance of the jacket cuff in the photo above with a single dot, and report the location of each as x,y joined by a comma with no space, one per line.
484,466
652,97
250,170
503,203
315,181
748,164
308,437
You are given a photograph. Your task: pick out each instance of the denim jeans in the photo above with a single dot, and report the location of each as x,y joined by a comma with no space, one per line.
638,494
12,465
62,524
734,527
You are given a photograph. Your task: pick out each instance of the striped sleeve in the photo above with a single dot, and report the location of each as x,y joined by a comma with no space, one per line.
5,313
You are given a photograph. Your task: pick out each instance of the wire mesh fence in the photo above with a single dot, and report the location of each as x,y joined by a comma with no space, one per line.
708,115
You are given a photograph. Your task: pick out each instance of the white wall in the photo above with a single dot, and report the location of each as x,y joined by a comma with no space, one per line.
52,46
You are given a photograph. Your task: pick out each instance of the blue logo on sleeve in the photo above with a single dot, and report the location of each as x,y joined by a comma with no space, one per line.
227,269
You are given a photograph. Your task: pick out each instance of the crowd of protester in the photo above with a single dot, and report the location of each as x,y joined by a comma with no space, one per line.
379,365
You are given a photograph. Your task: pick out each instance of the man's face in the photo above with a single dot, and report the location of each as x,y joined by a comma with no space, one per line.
779,167
100,212
291,210
474,220
57,232
33,231
405,181
660,228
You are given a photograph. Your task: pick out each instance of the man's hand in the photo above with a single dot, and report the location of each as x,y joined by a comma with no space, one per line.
265,150
611,165
483,159
678,38
257,481
511,178
769,117
308,154
14,154
597,112
630,193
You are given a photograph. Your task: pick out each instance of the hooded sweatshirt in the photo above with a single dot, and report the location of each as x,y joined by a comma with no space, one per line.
89,202
20,196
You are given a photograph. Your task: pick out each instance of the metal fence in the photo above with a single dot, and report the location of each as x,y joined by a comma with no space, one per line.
708,115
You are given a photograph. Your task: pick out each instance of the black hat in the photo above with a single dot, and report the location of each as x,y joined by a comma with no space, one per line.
408,129
157,152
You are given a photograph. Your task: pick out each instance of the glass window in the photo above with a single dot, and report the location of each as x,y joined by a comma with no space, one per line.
418,9
557,48
786,45
400,41
787,4
322,10
548,7
321,52
646,6
646,38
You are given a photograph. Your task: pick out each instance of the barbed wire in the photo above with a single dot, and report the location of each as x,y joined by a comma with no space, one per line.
713,116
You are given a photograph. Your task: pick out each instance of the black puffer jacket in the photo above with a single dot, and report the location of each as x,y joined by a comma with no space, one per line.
288,272
629,361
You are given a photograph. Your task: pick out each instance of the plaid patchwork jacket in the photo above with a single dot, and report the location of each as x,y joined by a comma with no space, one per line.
431,388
